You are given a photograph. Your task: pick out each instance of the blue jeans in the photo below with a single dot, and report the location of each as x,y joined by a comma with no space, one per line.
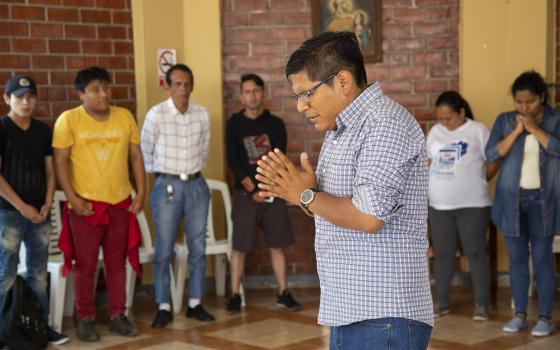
390,333
172,199
14,229
531,234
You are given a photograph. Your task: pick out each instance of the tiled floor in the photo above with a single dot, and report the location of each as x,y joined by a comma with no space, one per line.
262,326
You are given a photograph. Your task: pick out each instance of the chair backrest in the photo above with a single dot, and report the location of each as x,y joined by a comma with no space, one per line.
221,187
56,221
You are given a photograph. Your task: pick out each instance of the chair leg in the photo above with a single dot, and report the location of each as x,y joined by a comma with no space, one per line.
220,267
56,303
173,290
70,297
130,286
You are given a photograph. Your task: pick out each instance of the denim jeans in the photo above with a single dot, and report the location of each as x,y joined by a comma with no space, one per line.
390,333
170,200
532,235
14,229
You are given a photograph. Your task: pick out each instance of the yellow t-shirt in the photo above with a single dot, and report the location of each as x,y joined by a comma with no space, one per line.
98,152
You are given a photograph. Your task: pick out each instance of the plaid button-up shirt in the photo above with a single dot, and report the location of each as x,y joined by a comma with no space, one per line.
377,156
175,142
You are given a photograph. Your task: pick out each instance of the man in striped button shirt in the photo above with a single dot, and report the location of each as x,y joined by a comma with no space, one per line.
368,197
175,142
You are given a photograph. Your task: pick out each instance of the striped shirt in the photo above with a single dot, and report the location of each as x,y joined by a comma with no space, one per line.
377,156
174,142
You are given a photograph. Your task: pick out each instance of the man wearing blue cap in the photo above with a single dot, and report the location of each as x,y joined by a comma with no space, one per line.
27,185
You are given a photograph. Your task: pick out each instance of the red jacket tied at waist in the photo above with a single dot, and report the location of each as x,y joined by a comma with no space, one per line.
100,217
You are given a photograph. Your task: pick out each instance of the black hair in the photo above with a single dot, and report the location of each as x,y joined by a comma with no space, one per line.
253,77
532,81
87,75
328,53
181,67
455,101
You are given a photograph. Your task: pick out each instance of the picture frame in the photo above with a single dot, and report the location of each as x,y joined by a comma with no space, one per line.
364,17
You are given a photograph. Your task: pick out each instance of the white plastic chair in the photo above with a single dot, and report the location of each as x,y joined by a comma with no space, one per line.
221,249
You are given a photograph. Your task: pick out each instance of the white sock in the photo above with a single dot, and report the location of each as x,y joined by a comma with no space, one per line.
165,306
193,303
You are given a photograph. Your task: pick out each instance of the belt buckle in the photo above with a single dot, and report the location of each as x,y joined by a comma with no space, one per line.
183,177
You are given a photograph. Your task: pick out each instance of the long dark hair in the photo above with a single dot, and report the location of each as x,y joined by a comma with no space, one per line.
531,81
456,102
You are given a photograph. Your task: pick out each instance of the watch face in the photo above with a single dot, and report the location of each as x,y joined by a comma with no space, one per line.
306,196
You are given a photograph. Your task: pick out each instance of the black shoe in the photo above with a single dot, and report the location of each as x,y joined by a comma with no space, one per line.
199,313
163,317
286,300
234,304
56,338
121,325
86,331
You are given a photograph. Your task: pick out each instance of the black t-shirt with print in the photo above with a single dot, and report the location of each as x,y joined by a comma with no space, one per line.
22,162
248,139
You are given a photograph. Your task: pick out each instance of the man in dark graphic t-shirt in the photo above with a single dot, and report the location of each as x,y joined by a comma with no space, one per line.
27,186
250,134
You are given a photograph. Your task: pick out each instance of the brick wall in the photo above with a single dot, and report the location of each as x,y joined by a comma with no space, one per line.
420,60
50,40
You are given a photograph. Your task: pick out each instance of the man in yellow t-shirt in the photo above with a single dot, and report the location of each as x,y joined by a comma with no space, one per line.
93,146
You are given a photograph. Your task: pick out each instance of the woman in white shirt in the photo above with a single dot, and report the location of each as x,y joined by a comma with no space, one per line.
459,209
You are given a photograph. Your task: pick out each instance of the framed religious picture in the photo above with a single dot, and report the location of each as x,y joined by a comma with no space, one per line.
363,17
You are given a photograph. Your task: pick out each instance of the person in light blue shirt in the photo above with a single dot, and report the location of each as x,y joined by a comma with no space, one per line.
526,206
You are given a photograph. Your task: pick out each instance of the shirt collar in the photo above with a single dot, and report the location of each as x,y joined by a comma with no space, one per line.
174,109
353,112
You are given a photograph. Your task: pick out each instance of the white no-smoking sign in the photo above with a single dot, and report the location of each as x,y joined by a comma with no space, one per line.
165,59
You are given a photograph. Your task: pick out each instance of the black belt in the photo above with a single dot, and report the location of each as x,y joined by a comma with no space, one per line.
182,177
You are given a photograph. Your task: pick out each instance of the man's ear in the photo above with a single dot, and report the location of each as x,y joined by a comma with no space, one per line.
7,99
82,95
345,81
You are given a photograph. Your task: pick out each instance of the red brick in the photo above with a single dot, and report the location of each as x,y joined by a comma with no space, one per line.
62,78
435,57
96,46
453,57
377,72
5,46
288,33
14,61
96,16
440,14
396,3
250,34
119,92
235,49
391,87
124,78
73,94
111,32
443,42
122,17
63,14
62,106
430,28
431,2
30,13
46,30
397,30
123,47
447,70
249,5
396,58
41,77
408,100
14,28
28,45
266,18
79,31
78,3
64,46
3,11
130,61
408,44
45,2
113,62
252,63
273,48
113,4
52,94
408,72
297,17
236,19
287,5
280,90
410,15
79,62
47,61
431,86
278,62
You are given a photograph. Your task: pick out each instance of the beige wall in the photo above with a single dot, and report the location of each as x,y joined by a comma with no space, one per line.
499,39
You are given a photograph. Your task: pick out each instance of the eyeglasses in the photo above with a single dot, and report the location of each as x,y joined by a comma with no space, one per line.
304,96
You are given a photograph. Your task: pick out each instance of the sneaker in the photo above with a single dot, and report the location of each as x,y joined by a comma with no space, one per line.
86,331
163,317
481,313
56,338
543,328
199,313
121,325
287,301
440,311
234,304
515,325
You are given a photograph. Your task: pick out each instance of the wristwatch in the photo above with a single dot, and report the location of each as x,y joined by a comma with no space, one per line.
307,196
